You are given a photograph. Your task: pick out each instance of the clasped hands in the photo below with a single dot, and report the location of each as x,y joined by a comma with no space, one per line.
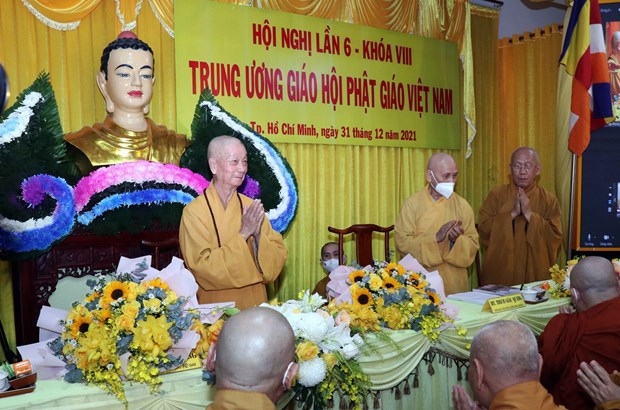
521,205
452,229
252,219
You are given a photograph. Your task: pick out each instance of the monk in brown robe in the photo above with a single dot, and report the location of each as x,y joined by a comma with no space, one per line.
520,226
226,239
590,333
504,366
126,82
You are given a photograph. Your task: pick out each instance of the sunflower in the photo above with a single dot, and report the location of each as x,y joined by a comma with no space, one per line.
114,291
155,283
434,297
356,276
393,266
361,296
80,325
391,284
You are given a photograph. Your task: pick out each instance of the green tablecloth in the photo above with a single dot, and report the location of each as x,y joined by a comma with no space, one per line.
415,374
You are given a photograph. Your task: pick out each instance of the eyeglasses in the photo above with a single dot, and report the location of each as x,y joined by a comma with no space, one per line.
526,166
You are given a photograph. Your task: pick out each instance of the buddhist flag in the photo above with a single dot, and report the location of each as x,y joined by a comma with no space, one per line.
584,59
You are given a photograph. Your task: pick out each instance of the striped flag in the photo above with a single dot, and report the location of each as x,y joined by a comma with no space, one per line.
584,59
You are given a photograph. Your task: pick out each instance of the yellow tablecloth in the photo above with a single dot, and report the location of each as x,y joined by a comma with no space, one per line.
415,374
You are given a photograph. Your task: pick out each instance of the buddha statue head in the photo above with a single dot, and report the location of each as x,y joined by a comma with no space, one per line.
126,80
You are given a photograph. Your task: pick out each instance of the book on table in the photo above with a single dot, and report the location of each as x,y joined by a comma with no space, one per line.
499,290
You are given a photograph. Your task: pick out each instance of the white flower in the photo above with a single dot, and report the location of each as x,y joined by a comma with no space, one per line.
313,326
17,122
351,350
312,372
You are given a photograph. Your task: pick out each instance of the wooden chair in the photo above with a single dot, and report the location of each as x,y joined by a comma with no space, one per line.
363,241
477,258
167,248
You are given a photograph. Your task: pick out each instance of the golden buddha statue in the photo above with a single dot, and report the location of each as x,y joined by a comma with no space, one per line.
126,81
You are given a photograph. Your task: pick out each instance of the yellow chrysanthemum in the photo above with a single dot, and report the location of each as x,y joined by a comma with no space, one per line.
391,284
394,318
356,276
361,296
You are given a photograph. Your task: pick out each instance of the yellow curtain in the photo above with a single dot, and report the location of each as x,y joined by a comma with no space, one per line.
338,185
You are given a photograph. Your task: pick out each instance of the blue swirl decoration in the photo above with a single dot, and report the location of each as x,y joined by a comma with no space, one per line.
39,234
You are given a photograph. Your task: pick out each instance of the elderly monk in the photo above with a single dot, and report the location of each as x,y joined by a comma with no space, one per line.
226,239
504,367
254,360
519,225
590,333
126,81
436,226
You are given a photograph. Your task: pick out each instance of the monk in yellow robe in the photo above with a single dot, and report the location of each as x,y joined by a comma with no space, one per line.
520,226
436,226
126,82
226,240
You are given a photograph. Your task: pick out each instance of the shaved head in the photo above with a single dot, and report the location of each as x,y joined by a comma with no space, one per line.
441,167
507,344
440,159
502,354
218,145
253,351
593,280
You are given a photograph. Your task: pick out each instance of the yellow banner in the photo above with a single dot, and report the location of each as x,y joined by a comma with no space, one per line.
300,79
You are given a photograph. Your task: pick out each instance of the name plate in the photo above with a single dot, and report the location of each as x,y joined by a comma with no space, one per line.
192,362
503,303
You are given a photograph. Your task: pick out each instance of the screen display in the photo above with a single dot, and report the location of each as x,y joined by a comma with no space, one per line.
596,225
598,177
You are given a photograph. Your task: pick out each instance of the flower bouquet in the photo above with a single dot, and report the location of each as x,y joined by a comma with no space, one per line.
125,329
326,351
386,295
560,279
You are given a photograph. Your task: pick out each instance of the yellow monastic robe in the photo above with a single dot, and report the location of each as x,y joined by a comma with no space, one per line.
517,252
527,395
235,270
107,144
418,222
240,400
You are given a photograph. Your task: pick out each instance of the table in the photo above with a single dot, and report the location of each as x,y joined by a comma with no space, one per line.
415,374
436,368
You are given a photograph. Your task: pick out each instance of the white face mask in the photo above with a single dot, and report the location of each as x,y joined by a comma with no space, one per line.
331,264
443,188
